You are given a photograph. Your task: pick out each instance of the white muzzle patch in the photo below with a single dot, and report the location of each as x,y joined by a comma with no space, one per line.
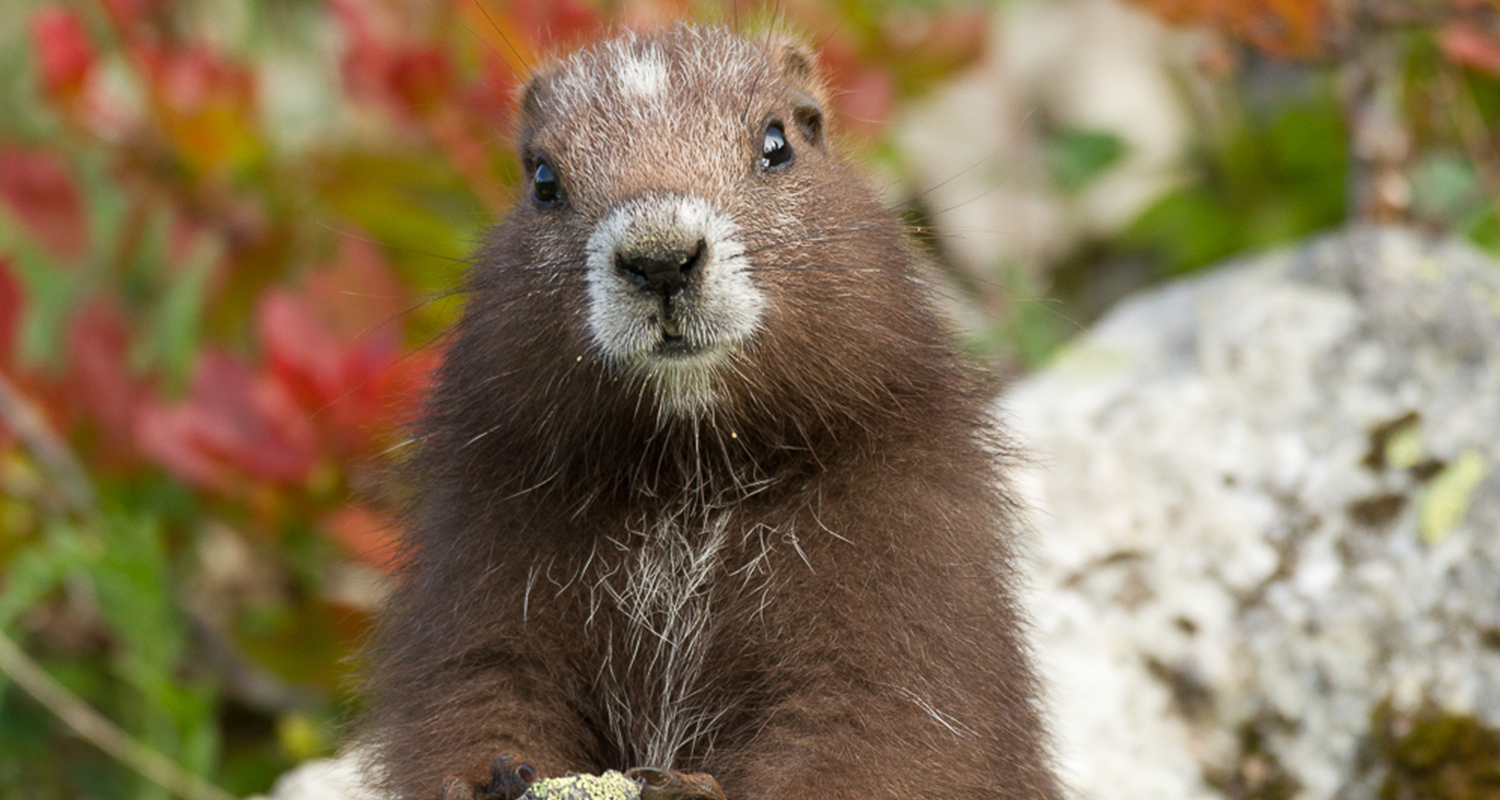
677,346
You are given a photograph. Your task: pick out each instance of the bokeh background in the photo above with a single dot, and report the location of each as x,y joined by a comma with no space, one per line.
230,231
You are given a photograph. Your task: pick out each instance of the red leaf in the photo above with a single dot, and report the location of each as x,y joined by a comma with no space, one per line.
368,535
396,385
1281,28
354,390
867,101
37,189
10,315
234,424
386,65
192,80
304,356
492,97
419,79
357,293
865,96
1466,44
336,348
364,60
98,384
552,22
65,56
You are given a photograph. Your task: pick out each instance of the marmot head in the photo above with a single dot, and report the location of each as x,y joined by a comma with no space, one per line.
683,172
689,267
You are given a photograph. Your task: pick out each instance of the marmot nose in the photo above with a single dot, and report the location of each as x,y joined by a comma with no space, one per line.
660,264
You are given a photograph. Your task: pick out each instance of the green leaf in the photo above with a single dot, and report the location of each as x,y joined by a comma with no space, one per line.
173,337
134,588
1265,183
51,295
1444,187
170,710
37,570
1076,157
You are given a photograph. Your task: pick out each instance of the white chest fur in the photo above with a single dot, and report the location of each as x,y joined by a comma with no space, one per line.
660,582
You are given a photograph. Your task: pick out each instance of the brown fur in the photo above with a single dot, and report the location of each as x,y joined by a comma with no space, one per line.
856,628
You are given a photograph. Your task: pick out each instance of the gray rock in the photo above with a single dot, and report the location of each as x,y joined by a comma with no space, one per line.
342,778
347,778
1267,526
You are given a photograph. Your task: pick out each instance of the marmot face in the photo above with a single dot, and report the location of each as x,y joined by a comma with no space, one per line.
670,293
654,199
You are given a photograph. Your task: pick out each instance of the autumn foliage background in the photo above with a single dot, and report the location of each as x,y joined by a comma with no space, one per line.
228,235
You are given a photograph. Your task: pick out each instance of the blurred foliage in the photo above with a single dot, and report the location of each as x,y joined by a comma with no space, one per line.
1077,157
1275,161
1271,178
229,231
1282,149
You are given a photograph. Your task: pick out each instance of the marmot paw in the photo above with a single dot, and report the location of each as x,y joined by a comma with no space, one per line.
509,779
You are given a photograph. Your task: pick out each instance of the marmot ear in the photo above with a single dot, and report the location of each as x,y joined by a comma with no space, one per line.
533,94
809,94
796,60
528,100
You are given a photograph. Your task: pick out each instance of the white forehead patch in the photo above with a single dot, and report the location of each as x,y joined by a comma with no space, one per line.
642,75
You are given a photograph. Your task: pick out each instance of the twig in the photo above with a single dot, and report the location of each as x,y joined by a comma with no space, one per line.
1379,144
17,413
94,727
21,416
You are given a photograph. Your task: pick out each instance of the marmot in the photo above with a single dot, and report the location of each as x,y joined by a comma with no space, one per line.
704,486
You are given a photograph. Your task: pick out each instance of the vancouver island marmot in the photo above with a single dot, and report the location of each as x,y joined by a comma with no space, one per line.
704,486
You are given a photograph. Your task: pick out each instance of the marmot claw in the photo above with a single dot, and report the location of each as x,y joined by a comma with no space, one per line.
509,778
669,784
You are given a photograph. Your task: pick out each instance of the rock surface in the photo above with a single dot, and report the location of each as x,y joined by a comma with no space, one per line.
323,779
341,779
1266,512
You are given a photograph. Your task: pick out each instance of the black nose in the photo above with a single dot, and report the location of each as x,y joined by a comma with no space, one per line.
660,264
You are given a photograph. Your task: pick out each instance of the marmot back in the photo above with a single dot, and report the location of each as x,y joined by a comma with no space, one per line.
704,485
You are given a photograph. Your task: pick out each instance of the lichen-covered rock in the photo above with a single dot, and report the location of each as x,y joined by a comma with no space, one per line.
344,778
609,786
1267,529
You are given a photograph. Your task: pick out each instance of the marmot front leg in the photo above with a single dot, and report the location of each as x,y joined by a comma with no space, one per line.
509,779
455,740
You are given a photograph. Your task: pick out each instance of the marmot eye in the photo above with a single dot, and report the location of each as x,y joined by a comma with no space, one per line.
774,150
544,185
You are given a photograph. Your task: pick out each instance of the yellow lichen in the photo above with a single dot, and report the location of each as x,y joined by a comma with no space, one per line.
1447,499
609,786
1404,449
